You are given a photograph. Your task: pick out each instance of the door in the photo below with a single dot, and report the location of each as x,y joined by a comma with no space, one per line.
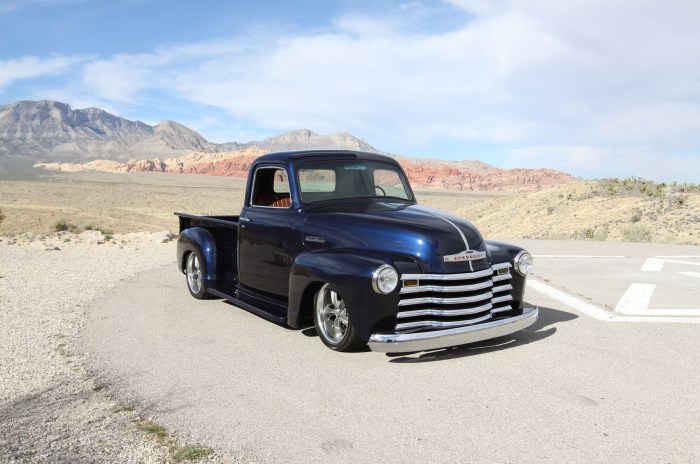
265,232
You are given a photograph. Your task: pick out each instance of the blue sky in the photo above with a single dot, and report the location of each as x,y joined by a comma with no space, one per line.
596,88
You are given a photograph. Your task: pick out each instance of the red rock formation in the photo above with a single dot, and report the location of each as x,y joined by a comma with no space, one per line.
423,175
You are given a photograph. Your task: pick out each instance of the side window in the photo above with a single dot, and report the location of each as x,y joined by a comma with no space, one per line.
271,188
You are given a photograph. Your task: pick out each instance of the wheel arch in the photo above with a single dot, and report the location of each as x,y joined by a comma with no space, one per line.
350,274
200,240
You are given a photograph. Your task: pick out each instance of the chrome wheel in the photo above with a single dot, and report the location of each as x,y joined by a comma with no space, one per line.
194,274
331,315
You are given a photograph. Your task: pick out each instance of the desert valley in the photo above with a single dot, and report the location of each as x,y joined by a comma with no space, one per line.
87,169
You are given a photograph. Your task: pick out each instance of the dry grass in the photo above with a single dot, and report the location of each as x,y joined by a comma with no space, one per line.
133,202
584,211
121,203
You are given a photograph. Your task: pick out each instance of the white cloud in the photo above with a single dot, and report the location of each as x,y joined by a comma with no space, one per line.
29,67
123,77
8,6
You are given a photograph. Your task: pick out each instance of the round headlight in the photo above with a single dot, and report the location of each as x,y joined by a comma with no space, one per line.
385,279
523,263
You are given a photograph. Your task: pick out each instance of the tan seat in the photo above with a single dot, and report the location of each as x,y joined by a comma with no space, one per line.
285,202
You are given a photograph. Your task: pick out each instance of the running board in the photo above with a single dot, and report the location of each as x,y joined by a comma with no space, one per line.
249,307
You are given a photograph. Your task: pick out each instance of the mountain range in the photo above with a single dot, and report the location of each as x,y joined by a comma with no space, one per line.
51,135
52,131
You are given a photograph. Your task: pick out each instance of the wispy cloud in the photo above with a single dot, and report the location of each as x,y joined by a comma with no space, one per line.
29,67
8,6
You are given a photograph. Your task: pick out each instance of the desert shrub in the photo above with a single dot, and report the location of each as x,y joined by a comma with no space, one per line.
636,217
2,216
602,233
108,233
62,225
637,233
638,187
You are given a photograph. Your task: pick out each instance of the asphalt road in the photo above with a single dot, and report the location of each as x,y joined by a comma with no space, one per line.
572,388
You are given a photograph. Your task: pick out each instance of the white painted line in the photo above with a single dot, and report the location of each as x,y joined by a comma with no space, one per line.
691,274
686,257
635,300
682,262
576,303
653,265
667,312
663,320
576,256
601,314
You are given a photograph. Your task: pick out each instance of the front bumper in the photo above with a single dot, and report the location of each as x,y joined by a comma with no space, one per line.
423,341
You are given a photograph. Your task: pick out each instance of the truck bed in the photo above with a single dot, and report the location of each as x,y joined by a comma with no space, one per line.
191,220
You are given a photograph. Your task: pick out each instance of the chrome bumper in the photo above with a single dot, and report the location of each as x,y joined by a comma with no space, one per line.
423,341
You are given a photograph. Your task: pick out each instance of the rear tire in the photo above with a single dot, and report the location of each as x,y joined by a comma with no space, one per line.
333,323
194,270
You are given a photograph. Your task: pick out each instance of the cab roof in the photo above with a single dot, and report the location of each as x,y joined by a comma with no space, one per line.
319,155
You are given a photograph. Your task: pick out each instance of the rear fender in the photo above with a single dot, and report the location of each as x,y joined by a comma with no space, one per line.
201,240
350,275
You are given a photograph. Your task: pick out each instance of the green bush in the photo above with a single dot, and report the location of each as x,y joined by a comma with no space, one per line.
191,453
153,428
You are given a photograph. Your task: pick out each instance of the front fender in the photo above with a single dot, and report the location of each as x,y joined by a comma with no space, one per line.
201,240
351,275
500,252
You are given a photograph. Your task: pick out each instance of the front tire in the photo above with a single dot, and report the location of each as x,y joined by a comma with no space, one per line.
194,270
333,323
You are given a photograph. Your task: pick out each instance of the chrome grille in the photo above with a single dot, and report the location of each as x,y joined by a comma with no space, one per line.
438,301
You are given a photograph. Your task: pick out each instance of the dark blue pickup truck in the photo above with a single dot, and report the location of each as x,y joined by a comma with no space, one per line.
337,237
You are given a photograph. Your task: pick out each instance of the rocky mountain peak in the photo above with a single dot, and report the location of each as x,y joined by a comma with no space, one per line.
305,139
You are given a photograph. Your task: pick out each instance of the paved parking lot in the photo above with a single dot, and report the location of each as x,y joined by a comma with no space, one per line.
572,388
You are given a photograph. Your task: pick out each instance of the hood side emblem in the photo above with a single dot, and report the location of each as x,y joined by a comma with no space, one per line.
466,255
311,238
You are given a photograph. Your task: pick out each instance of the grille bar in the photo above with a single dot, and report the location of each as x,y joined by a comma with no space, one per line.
465,276
439,324
446,288
444,312
457,300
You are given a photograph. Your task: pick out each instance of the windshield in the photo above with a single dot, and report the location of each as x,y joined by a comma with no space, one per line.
329,180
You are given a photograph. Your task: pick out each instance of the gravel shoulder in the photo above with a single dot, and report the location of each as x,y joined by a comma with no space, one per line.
52,407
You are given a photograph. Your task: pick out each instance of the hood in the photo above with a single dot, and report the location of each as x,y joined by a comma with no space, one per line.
438,241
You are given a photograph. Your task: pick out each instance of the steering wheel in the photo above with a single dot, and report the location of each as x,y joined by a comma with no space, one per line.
376,187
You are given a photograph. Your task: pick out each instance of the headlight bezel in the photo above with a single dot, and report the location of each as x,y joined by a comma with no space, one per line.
523,263
379,277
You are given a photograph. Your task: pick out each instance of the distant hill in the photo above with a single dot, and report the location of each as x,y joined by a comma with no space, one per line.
52,131
305,139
